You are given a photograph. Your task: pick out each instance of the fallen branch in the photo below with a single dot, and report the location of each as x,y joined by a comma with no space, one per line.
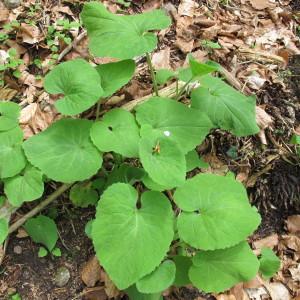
39,207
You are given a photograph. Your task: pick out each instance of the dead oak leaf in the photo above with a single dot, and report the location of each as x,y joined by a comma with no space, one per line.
270,242
260,4
91,272
293,224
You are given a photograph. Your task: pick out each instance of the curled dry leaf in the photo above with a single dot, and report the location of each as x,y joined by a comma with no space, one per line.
91,272
293,224
277,291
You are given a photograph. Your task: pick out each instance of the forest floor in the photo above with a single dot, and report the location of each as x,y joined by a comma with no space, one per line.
256,42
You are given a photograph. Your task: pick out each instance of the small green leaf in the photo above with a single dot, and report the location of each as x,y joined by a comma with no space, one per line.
159,280
179,123
164,75
295,140
216,271
25,187
162,159
134,294
154,186
88,228
227,108
15,297
269,263
3,230
56,252
12,159
196,70
117,132
194,161
83,195
9,115
183,264
217,209
42,230
125,174
42,252
121,36
64,151
115,75
125,234
210,44
80,84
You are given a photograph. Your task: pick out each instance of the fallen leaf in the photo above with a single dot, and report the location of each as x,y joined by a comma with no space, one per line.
293,224
270,242
4,12
295,272
292,242
261,4
187,8
277,291
91,272
161,59
96,293
7,93
21,233
110,289
29,34
255,283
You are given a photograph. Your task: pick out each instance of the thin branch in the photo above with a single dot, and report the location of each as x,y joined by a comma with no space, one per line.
39,207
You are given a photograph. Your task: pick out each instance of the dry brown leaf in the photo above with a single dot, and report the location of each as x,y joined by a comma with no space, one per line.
7,94
110,289
161,59
270,242
30,79
4,12
292,242
261,4
257,293
184,34
187,8
295,272
29,33
238,292
96,293
293,224
91,272
255,283
21,233
277,291
225,297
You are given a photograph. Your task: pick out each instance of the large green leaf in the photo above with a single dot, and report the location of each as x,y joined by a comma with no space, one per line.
183,264
218,211
226,107
115,75
26,186
64,151
80,84
216,271
186,126
134,294
194,161
42,230
3,230
131,242
9,115
12,159
121,36
161,158
269,263
159,280
117,132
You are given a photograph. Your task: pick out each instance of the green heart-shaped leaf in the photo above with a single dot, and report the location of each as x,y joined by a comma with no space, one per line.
164,75
12,159
125,235
134,294
64,151
3,230
269,263
121,36
161,158
181,124
194,161
27,186
9,115
159,280
37,227
217,209
216,271
115,75
226,107
117,132
80,84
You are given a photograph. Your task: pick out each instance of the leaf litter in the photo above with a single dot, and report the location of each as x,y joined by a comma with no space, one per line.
226,32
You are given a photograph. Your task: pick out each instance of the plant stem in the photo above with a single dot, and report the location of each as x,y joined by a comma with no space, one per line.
98,109
149,62
39,207
182,90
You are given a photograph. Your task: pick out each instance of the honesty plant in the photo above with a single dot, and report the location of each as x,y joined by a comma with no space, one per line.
155,226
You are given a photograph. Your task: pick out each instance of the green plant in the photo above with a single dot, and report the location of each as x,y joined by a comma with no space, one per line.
154,227
295,140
